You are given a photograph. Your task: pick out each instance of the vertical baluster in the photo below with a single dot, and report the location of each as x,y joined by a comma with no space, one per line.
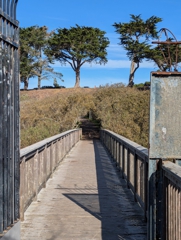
22,188
146,188
51,159
16,128
128,167
179,214
44,156
174,207
123,160
135,175
169,211
1,130
166,214
36,185
117,154
5,137
176,213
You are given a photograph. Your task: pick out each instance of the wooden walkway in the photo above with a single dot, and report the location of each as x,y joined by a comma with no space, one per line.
85,200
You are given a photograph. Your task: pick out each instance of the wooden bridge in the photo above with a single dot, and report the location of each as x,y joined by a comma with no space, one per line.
85,198
78,189
92,189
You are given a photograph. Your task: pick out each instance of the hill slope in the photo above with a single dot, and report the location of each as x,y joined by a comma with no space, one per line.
50,111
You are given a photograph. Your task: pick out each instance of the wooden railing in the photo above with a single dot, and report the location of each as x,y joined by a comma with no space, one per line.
171,210
132,160
38,162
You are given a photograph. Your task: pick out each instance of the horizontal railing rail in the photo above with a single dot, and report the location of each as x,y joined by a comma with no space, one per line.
38,162
132,161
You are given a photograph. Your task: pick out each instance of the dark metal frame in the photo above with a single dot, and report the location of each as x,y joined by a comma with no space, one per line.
9,115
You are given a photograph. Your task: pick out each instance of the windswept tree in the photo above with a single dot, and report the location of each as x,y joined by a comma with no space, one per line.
77,46
166,56
26,57
135,38
33,61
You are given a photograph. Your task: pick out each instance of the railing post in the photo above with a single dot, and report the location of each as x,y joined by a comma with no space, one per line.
51,159
56,152
120,154
114,149
61,147
22,187
36,166
117,154
112,146
146,189
45,166
135,175
128,167
164,139
123,160
152,199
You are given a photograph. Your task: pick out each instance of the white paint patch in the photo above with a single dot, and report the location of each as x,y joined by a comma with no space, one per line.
164,131
173,83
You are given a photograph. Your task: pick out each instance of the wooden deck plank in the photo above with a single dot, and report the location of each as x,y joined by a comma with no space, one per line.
85,200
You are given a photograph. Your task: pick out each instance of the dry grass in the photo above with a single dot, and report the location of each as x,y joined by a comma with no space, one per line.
45,113
124,111
50,111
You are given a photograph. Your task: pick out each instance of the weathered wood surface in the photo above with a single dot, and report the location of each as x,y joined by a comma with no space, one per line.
132,161
85,200
38,162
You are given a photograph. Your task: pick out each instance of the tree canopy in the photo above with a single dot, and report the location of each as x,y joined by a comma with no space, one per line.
33,61
77,46
134,37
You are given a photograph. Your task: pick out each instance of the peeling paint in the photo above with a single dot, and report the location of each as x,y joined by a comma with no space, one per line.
164,131
173,83
165,117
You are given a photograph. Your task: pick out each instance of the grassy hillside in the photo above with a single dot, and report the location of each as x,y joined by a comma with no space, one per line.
50,111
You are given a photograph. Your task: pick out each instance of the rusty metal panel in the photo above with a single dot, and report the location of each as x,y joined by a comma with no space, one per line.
165,115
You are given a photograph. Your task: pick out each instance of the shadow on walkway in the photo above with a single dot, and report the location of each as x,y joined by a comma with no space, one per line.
111,202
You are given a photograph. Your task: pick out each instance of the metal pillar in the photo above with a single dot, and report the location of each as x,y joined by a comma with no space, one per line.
165,142
9,118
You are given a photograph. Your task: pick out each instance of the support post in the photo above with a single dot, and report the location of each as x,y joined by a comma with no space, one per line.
165,143
152,199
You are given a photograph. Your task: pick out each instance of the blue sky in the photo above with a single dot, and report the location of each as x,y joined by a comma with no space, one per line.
102,14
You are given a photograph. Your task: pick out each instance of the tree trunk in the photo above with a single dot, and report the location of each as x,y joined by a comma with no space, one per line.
39,82
131,75
132,72
40,68
77,81
26,82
